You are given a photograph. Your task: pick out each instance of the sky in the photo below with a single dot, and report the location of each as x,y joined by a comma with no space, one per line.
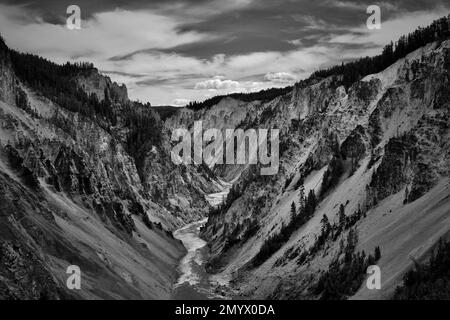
170,52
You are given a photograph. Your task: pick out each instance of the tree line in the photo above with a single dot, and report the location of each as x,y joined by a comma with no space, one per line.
345,275
351,72
58,83
146,131
4,51
263,96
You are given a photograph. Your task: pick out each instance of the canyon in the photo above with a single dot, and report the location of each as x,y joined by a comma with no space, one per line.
366,167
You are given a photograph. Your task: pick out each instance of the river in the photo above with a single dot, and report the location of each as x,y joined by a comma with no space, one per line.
194,283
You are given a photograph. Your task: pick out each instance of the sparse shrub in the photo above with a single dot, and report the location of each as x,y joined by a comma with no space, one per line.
276,241
345,275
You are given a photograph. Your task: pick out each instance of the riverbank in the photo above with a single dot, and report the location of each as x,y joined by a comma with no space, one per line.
194,283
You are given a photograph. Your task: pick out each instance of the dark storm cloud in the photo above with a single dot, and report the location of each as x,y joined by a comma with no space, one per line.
227,46
170,80
265,25
271,24
57,8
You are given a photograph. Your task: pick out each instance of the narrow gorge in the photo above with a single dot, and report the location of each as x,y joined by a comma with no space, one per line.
87,179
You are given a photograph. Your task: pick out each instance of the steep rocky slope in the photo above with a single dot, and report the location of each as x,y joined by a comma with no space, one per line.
75,192
379,149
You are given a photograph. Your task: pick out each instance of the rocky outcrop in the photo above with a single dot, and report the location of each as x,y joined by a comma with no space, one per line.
394,171
102,87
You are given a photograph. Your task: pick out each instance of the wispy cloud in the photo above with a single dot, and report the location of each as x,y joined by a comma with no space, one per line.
106,34
390,30
282,77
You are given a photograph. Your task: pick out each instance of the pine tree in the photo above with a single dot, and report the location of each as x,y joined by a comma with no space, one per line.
377,253
342,216
310,203
301,199
326,226
405,201
293,211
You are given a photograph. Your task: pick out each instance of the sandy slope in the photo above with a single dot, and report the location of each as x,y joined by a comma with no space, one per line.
404,233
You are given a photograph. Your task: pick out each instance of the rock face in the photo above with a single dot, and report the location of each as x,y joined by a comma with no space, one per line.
73,192
382,142
103,87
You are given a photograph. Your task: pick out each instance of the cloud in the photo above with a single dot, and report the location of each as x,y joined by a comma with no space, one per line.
282,77
295,42
391,30
106,34
197,10
170,52
217,83
180,102
361,6
170,76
